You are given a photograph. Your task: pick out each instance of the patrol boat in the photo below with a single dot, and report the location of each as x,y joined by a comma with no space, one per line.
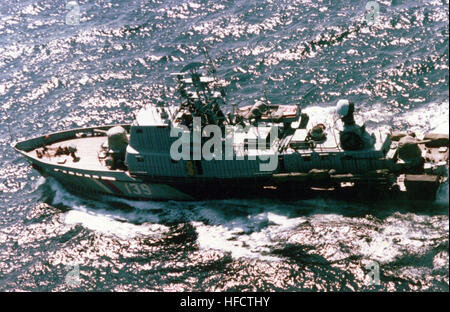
195,151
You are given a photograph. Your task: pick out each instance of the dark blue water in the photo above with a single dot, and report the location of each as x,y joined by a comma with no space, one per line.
55,76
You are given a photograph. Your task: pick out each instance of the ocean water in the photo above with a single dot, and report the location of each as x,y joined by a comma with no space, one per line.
60,69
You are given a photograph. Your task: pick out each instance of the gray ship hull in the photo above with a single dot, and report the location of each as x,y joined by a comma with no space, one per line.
89,175
124,186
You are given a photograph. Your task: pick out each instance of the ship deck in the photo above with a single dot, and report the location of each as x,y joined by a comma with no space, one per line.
87,149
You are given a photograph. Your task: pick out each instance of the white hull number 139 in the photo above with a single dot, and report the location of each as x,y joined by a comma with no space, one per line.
138,189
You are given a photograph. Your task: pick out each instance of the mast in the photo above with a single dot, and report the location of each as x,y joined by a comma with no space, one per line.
199,95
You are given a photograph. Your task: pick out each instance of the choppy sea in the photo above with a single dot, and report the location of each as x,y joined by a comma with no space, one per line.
66,64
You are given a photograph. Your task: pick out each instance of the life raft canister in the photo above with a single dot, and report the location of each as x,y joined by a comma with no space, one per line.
317,133
408,149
